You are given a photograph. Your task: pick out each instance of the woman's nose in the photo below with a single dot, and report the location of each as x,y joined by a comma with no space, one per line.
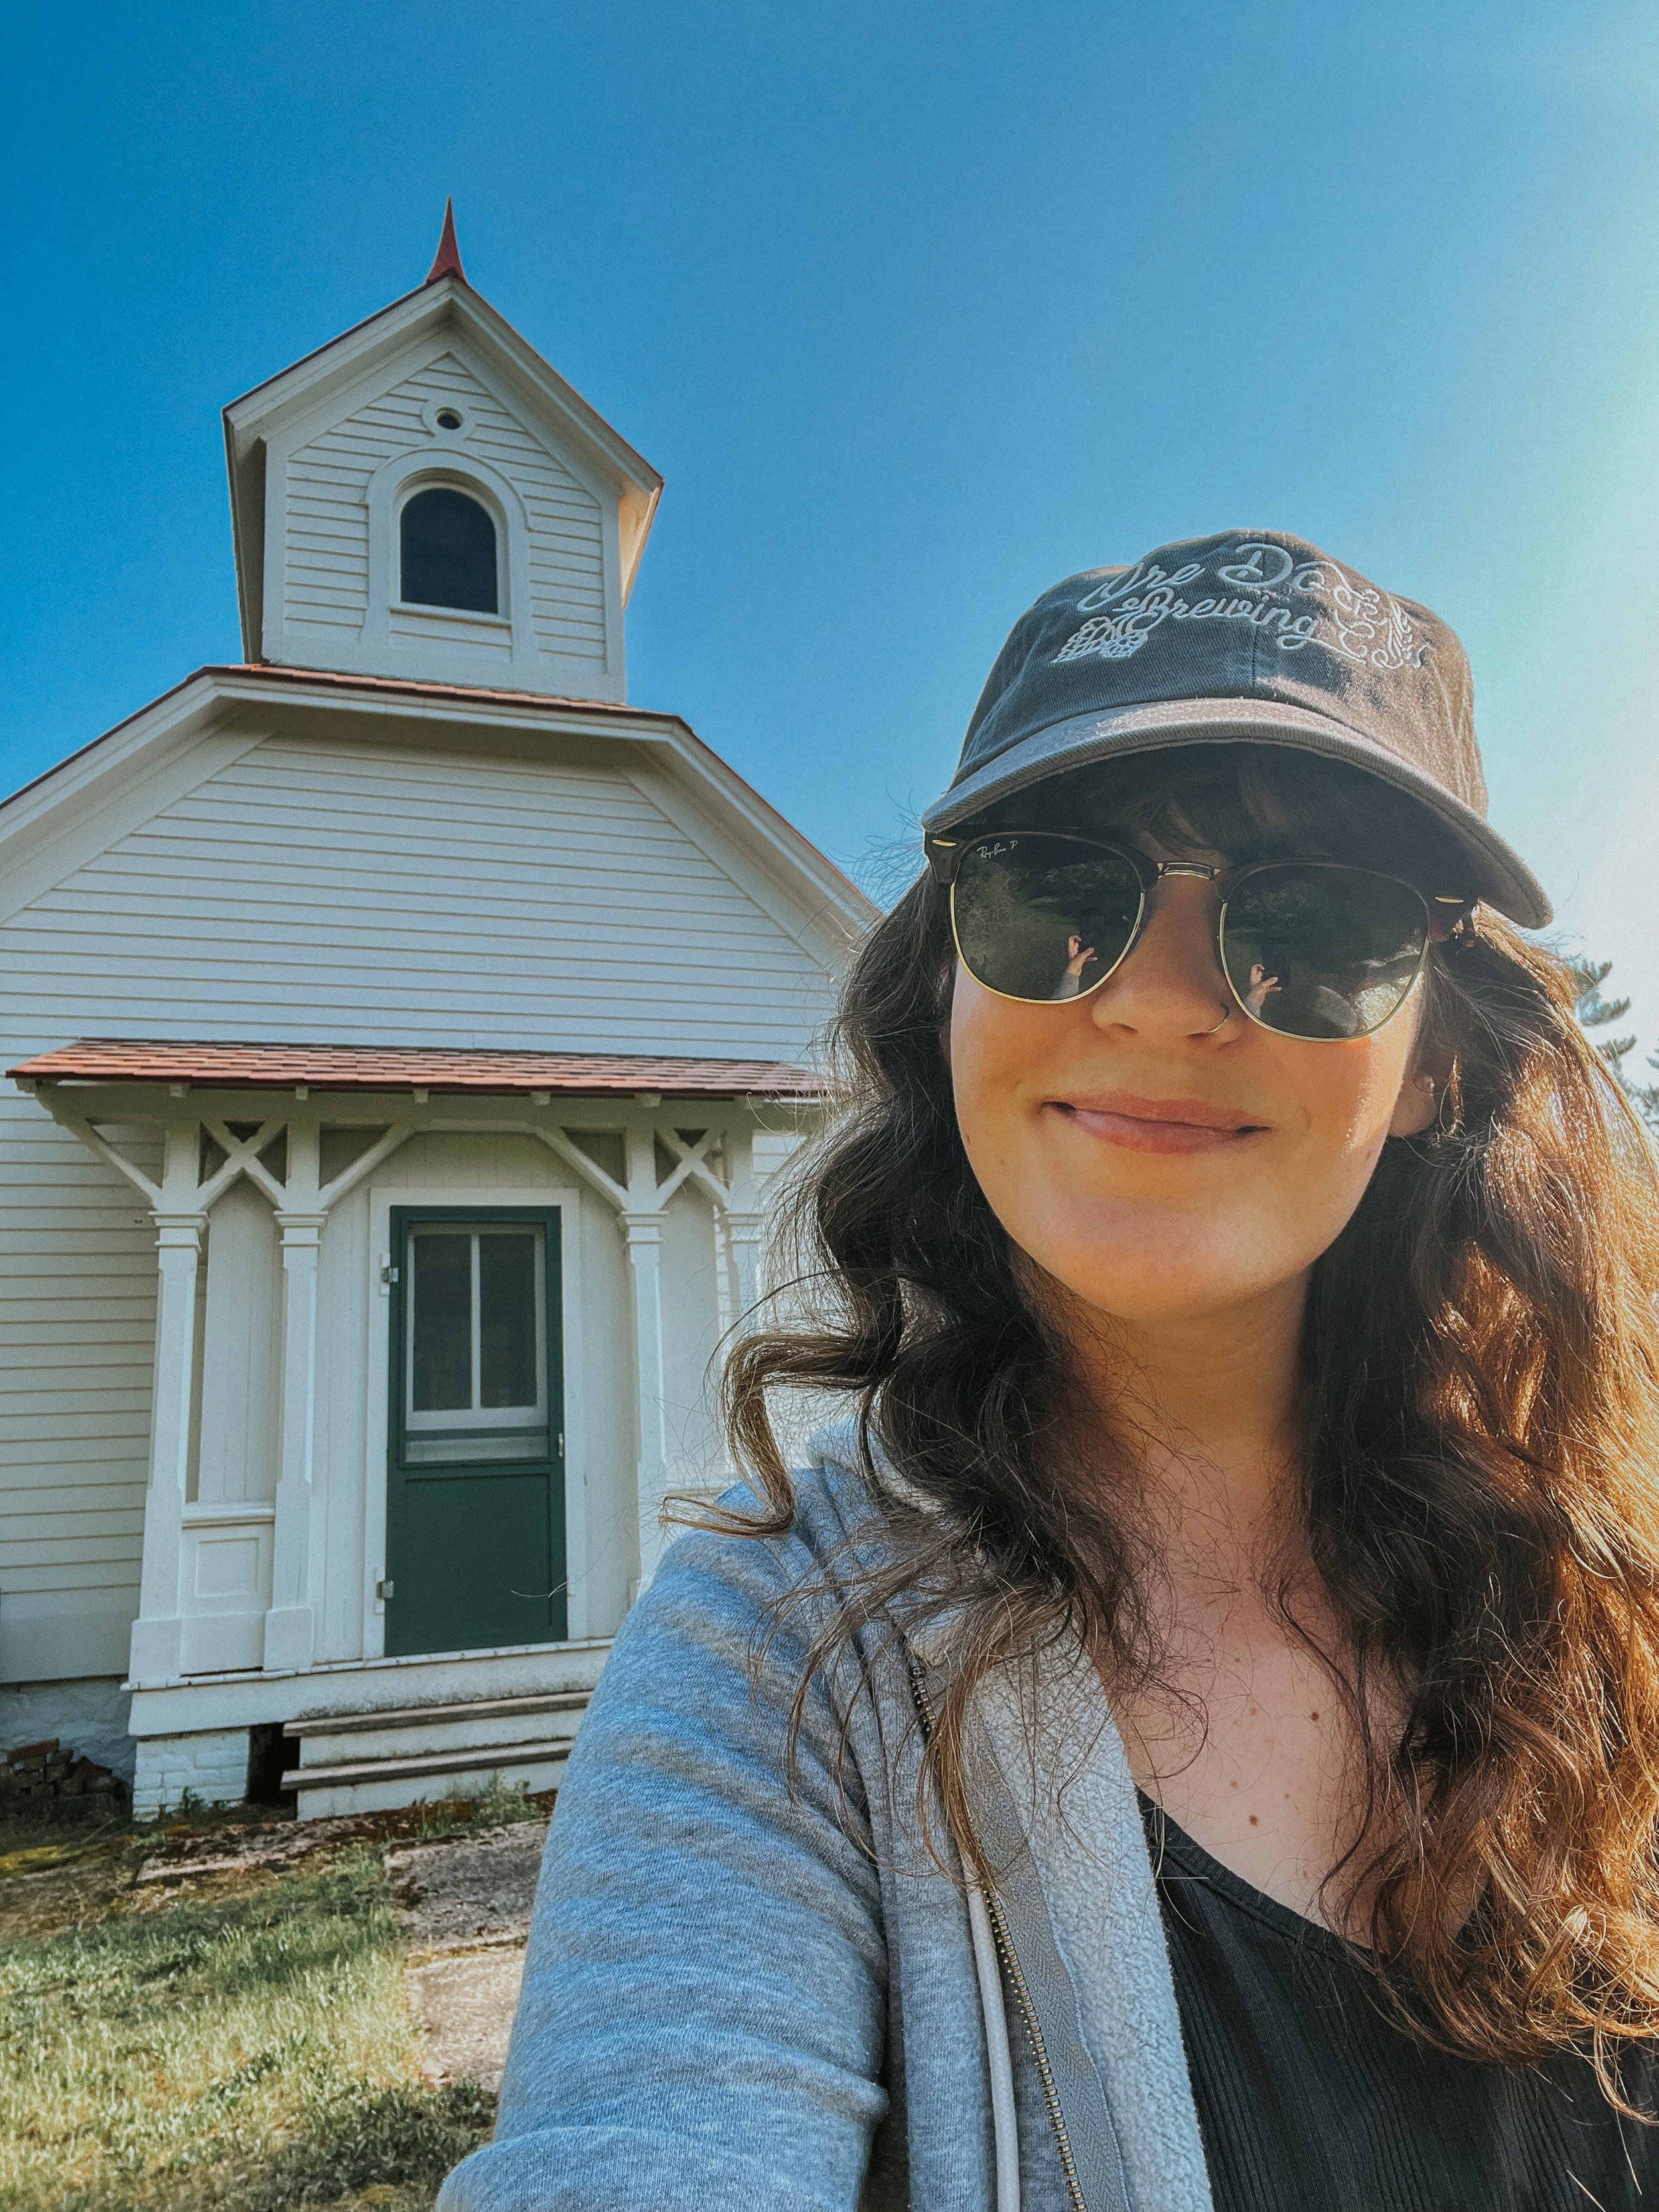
1171,985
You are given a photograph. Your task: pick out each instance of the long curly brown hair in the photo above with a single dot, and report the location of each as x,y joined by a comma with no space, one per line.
1480,1490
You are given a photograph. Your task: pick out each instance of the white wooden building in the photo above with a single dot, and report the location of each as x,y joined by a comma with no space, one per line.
401,1027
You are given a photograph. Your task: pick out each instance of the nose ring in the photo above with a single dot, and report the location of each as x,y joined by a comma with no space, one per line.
1226,1016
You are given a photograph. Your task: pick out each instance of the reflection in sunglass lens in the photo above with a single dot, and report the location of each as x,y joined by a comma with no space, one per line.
1042,917
1316,951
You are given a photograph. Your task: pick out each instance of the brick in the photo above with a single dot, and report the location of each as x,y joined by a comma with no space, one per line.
211,1763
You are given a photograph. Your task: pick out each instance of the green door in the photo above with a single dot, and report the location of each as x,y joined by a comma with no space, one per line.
475,1483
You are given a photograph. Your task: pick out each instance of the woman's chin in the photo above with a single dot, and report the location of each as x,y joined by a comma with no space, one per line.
1153,1289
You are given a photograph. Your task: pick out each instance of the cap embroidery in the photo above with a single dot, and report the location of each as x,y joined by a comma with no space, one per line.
1373,628
1251,570
1364,625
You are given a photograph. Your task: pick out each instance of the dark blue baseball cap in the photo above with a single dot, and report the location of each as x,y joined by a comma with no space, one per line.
1251,636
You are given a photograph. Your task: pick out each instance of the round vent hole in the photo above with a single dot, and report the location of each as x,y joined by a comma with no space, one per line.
448,419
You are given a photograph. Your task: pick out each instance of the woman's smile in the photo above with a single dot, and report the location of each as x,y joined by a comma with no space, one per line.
1155,1125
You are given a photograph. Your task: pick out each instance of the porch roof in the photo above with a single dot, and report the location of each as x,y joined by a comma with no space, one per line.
325,1067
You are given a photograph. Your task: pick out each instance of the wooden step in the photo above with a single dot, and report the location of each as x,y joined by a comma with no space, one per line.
477,1760
480,1709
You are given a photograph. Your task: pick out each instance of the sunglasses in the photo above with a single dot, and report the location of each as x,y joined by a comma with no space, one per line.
1310,949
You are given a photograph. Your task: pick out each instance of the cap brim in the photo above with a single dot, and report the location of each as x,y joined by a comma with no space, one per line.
1500,876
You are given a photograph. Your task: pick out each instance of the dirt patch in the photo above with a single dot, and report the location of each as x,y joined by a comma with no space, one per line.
468,1890
43,1890
257,1847
241,1839
56,1873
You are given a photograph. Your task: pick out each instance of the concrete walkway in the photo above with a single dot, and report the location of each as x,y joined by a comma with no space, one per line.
465,1902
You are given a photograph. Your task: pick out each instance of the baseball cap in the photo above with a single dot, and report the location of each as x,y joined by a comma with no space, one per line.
1246,637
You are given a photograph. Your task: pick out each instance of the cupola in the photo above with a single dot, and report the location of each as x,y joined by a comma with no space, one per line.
425,498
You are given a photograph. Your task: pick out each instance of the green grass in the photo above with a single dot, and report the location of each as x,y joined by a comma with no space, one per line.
250,2053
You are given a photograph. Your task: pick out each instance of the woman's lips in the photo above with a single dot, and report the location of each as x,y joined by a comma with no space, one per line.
1158,1125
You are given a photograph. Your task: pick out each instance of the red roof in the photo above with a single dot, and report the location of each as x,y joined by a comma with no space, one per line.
427,686
414,1067
268,670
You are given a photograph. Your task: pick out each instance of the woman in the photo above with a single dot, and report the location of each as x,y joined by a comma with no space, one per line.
1190,1737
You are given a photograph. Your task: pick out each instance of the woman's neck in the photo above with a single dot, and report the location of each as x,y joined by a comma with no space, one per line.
1242,1730
1208,1405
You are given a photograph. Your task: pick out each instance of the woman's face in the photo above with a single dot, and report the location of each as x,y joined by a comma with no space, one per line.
1159,1167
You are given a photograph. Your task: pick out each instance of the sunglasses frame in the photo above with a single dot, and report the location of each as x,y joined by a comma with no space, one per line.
1456,911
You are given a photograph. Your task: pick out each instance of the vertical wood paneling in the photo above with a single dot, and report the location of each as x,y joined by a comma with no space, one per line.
241,1353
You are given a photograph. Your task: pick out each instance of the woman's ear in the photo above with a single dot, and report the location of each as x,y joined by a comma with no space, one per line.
1433,1064
1416,1107
1422,1094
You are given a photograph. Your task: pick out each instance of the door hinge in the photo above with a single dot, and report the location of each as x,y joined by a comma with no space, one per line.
388,1273
383,1589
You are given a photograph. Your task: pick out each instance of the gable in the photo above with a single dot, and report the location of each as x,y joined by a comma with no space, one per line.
336,486
311,891
327,485
385,865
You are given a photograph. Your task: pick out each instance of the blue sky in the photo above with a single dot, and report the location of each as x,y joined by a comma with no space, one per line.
917,308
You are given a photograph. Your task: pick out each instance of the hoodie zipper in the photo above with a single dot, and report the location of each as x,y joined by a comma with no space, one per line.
1016,1973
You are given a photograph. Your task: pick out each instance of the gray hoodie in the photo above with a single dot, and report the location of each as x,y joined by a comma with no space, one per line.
751,1987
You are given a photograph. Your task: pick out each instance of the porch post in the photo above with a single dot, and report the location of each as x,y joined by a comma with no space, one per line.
290,1623
156,1650
642,1226
644,1234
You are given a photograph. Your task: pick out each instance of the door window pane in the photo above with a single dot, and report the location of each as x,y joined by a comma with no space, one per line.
440,1345
507,1318
474,1352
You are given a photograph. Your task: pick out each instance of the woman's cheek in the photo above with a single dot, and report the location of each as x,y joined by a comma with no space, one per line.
1362,1101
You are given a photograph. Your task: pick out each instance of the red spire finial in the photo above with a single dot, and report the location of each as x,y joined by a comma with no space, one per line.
448,260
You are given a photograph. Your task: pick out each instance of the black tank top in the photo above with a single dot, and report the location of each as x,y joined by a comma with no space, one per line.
1311,2100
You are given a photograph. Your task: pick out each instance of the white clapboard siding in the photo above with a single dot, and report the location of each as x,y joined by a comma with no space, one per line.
323,893
320,894
77,1314
326,570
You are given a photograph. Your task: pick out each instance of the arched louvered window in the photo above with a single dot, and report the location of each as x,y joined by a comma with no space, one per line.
446,550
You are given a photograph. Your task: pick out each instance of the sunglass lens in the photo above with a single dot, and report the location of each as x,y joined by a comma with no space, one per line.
1042,917
1316,951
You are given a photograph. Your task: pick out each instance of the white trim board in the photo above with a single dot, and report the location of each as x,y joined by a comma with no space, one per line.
361,1686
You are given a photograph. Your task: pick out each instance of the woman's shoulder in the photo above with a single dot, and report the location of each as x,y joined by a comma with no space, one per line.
719,1641
839,1521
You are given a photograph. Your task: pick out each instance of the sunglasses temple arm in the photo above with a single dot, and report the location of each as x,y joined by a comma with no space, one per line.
1454,922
